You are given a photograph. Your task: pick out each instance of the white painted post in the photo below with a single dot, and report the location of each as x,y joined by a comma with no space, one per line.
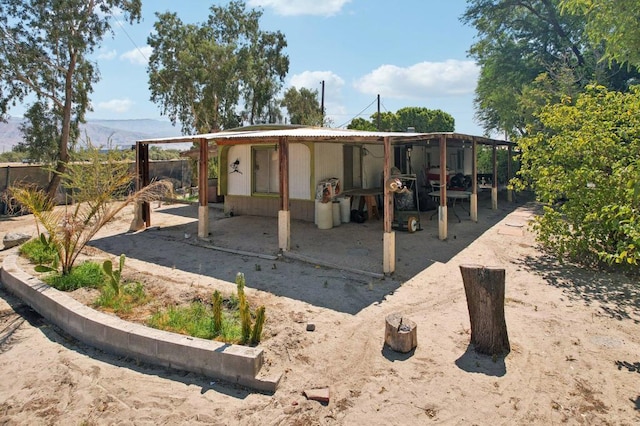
284,230
389,252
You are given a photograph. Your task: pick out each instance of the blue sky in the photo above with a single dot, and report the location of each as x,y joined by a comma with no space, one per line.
411,52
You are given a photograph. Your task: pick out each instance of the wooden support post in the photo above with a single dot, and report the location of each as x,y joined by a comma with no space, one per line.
442,208
203,178
494,184
284,215
484,288
389,237
142,169
509,175
473,201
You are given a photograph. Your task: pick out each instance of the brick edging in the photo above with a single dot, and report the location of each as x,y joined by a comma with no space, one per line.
233,363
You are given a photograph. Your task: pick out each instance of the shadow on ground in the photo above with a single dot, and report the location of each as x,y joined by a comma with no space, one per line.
346,248
59,337
617,295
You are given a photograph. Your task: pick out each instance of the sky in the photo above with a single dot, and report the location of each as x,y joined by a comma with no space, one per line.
410,52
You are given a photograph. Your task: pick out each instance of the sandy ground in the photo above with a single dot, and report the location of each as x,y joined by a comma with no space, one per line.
575,355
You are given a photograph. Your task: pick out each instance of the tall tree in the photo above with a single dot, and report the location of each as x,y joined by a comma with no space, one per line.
520,39
203,75
44,48
423,120
613,23
302,106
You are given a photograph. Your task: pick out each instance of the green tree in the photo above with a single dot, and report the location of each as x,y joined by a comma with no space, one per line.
44,48
614,22
423,120
302,106
202,75
41,132
583,165
520,39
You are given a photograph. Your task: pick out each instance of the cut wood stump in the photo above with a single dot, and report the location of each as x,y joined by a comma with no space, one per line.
401,334
484,288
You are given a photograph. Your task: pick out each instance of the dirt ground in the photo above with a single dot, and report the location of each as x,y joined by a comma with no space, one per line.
575,346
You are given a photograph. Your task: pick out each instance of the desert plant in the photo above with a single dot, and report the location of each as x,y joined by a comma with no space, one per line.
217,313
245,314
256,333
130,295
87,274
113,276
40,251
95,186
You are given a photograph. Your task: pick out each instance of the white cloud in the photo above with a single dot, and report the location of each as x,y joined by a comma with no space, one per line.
107,54
333,85
116,105
423,80
301,7
138,56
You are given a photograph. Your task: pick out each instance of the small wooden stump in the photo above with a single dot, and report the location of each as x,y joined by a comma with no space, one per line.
401,334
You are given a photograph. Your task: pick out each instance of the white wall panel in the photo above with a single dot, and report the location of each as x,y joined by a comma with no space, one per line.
240,182
299,171
328,161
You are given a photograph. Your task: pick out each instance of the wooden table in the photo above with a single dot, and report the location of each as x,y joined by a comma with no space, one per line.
453,198
367,196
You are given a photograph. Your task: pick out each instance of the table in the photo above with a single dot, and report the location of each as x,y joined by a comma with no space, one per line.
367,196
453,198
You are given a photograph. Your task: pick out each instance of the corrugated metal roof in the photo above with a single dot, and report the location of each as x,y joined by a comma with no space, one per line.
322,133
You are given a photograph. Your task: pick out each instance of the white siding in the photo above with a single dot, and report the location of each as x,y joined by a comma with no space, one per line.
328,161
373,163
299,171
240,183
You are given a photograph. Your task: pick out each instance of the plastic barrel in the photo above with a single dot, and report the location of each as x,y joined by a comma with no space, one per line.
336,213
325,215
345,209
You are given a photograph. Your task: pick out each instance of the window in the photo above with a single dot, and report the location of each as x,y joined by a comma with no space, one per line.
266,173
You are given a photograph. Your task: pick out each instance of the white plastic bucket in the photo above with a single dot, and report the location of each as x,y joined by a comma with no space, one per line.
345,209
336,213
325,215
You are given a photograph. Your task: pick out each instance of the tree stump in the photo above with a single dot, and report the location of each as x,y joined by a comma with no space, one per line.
401,334
484,288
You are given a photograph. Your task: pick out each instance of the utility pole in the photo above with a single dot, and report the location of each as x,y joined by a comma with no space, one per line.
322,106
378,112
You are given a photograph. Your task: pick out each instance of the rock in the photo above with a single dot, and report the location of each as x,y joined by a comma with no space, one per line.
311,326
321,395
13,239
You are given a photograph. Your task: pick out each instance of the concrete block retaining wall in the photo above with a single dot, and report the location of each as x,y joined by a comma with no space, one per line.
233,363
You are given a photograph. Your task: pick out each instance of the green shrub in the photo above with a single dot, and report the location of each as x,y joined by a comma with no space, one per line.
129,296
39,251
87,274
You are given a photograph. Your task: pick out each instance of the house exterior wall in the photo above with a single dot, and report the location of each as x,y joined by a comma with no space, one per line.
328,162
373,163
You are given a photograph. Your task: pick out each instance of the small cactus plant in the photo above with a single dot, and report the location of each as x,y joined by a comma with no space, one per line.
114,276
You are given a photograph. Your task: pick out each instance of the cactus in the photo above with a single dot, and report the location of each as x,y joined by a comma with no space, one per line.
217,313
257,328
112,275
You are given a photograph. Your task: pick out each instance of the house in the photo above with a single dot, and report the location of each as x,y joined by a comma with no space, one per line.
275,170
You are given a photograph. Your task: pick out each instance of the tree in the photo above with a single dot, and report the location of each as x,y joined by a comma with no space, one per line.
41,132
614,22
302,106
520,39
100,189
44,48
423,120
583,165
203,74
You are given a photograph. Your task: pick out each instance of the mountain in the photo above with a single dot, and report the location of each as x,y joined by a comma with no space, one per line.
100,132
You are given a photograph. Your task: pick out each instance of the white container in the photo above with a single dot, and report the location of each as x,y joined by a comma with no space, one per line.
315,214
325,215
336,213
345,209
